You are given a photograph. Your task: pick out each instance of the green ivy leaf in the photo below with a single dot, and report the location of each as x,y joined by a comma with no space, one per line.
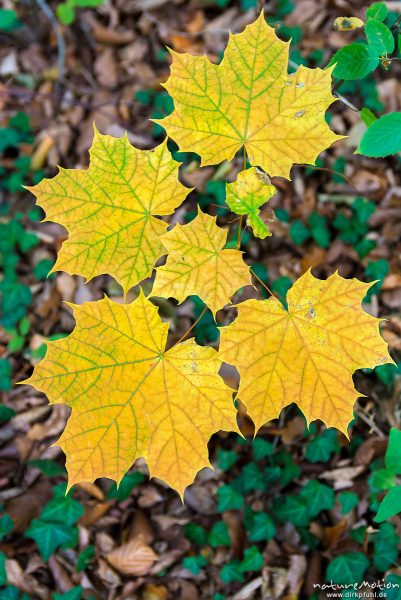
318,497
348,568
219,535
322,446
226,459
385,543
50,536
74,593
129,482
229,499
231,572
85,557
292,509
195,534
253,560
260,527
348,501
48,467
6,525
3,573
194,564
261,448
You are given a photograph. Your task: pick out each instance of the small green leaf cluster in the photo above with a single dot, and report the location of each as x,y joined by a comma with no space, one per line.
66,11
55,526
356,60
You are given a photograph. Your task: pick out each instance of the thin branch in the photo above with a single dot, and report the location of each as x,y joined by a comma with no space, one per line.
188,331
56,27
263,283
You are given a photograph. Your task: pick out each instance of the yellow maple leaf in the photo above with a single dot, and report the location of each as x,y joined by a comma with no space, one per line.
306,355
131,398
197,264
250,100
247,194
109,209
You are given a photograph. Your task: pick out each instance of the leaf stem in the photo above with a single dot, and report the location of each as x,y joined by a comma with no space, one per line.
192,326
263,283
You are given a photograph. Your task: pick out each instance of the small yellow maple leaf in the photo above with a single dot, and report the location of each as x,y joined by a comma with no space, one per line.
347,23
109,209
250,100
131,398
306,355
197,264
247,194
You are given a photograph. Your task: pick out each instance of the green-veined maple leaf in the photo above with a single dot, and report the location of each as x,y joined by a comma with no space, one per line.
307,354
109,209
131,398
250,100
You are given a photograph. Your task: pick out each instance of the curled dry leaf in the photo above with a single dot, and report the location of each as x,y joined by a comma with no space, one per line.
133,558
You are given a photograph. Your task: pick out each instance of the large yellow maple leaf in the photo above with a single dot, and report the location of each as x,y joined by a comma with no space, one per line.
250,100
197,264
131,398
307,354
109,209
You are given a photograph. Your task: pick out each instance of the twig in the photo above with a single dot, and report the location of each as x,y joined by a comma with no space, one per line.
56,27
192,326
263,283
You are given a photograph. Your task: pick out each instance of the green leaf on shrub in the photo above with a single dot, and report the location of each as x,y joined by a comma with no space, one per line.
377,10
392,457
354,61
390,505
367,116
383,137
380,38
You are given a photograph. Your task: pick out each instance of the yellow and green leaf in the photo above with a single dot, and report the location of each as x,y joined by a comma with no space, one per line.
109,210
306,355
197,264
131,398
250,101
247,194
